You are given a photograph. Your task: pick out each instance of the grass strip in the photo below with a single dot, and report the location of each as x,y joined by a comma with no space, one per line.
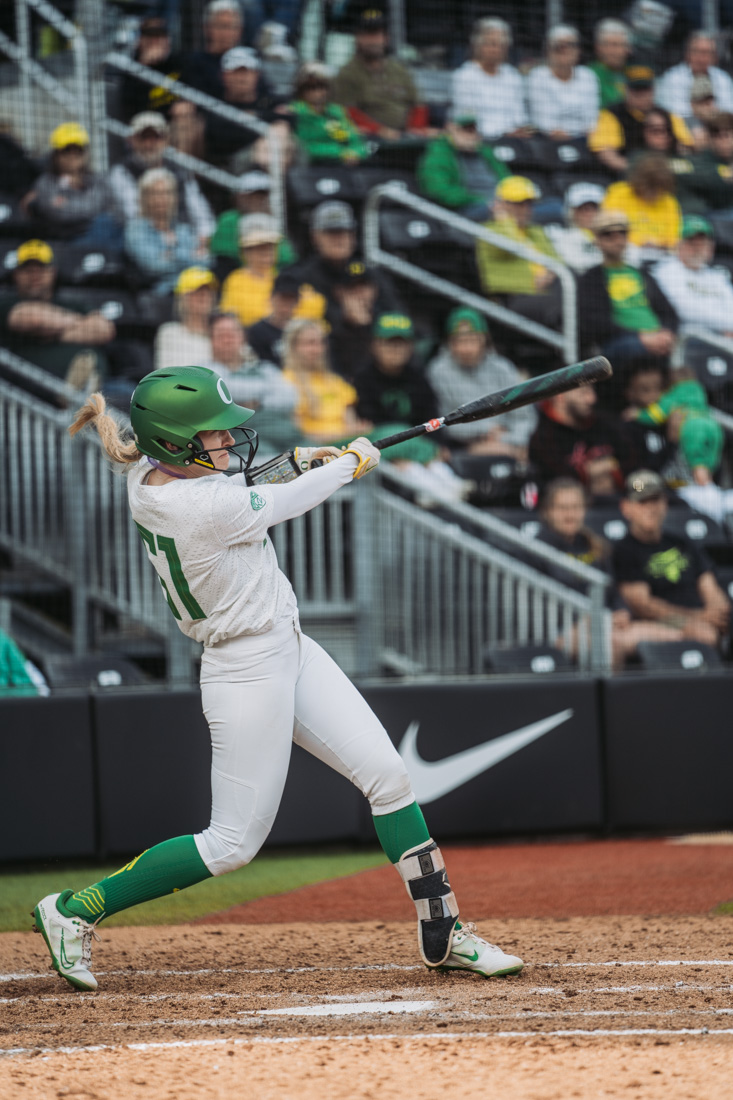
269,873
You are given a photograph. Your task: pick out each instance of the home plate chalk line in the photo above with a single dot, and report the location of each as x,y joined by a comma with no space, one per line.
30,974
600,1033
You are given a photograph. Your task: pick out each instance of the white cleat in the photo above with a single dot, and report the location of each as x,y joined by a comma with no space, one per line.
470,952
69,939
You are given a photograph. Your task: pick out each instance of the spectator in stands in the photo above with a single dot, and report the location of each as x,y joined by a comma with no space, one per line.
223,26
683,408
621,130
563,510
459,170
574,242
612,42
154,50
326,409
465,368
703,108
530,288
248,290
19,169
391,387
488,87
266,336
323,129
376,90
253,382
159,243
333,236
234,146
187,339
147,144
709,187
574,439
674,88
61,336
621,310
664,578
563,96
252,196
68,199
700,295
351,317
647,198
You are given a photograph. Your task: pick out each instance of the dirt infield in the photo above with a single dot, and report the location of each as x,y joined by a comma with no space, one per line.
607,1006
527,880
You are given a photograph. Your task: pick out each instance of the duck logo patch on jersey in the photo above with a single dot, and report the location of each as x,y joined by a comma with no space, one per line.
256,501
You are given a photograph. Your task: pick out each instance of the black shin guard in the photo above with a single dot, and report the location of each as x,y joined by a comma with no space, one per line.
422,870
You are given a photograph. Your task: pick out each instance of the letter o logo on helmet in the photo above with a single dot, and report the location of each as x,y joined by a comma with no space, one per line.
223,391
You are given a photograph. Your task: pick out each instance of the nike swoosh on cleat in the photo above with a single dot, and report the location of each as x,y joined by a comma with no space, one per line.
433,779
462,955
63,958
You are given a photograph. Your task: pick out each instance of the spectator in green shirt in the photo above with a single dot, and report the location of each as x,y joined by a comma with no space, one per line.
14,677
613,49
459,170
322,128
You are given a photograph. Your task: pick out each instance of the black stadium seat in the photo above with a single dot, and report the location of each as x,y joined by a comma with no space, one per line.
83,265
536,660
309,185
91,673
678,656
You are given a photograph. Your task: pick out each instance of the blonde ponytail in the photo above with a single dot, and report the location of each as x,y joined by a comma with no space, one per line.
94,411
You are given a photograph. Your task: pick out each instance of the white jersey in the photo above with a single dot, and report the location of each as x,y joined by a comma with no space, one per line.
207,539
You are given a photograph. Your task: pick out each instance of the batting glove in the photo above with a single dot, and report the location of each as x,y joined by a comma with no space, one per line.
367,455
306,456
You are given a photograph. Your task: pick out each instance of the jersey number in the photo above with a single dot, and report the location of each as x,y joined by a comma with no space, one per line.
168,547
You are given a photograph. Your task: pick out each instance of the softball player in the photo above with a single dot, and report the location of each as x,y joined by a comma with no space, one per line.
264,683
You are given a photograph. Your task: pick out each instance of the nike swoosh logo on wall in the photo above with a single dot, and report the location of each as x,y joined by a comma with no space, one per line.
433,779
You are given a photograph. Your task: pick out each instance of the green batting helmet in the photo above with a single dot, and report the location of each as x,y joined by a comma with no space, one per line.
172,405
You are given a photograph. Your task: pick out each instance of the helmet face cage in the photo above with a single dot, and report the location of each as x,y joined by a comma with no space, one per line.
249,440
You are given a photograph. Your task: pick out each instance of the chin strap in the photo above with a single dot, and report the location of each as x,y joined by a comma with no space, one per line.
164,469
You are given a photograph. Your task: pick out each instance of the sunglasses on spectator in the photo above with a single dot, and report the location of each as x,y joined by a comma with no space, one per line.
613,232
469,127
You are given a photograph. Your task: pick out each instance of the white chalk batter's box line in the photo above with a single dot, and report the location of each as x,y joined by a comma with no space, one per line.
28,975
507,989
600,1033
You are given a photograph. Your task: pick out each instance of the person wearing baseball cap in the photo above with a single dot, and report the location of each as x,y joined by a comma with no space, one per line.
612,45
244,87
664,578
62,337
467,365
324,131
620,307
187,339
250,196
247,290
154,49
147,143
377,90
574,242
700,293
530,288
69,199
459,170
392,388
619,132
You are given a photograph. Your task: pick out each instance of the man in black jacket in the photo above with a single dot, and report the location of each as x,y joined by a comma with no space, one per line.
621,310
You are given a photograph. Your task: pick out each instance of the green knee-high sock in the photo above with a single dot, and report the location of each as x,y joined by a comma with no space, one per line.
399,831
167,867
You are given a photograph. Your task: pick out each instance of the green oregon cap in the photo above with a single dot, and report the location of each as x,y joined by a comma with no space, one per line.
391,325
466,316
693,225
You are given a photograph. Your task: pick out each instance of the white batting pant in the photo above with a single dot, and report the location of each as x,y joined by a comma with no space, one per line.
287,689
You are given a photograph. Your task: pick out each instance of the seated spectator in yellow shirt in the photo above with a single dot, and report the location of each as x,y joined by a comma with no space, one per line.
647,198
248,290
527,287
621,130
325,412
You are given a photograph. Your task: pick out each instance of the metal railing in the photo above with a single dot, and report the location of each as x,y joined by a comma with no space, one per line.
566,342
247,121
447,594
